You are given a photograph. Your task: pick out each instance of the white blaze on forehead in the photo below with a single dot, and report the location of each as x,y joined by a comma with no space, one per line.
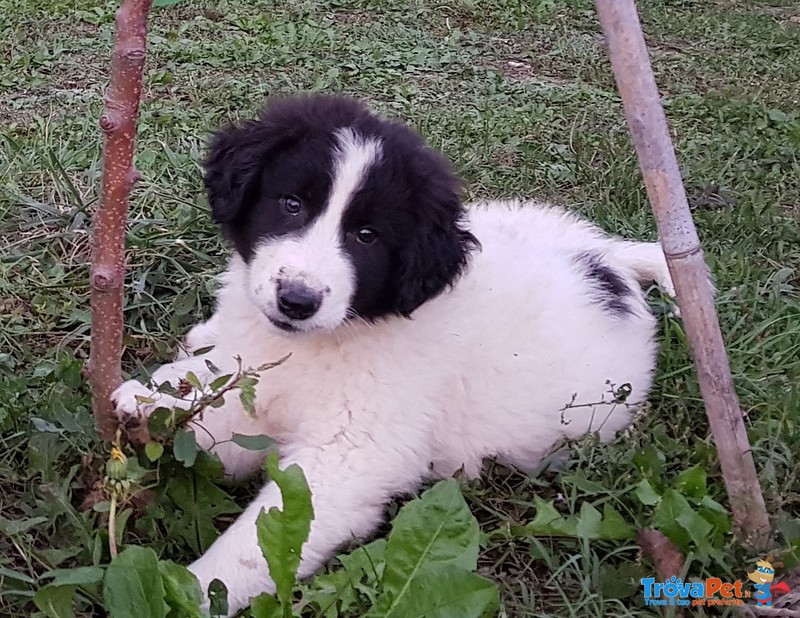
315,257
353,157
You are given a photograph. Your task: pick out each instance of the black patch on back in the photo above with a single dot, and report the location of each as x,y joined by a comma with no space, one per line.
611,290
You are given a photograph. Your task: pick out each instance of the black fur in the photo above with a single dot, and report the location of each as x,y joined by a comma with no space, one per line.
611,289
411,197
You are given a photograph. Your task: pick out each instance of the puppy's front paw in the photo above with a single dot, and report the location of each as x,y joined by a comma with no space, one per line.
133,401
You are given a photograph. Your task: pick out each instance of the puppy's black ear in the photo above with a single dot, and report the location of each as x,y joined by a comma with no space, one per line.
440,247
235,157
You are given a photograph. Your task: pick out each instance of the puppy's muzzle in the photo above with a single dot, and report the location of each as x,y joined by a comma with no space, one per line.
296,300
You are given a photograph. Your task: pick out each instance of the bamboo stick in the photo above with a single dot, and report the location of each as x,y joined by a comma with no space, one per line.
648,127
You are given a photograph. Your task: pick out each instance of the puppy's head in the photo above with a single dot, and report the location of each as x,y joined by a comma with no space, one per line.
336,212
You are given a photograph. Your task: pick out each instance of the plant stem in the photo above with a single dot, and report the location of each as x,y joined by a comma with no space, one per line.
112,526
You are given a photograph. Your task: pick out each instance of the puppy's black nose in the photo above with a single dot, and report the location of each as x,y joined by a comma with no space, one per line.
296,301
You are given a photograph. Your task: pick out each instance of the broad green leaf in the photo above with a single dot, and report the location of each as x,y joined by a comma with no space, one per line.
666,517
219,382
588,524
281,534
266,606
160,422
446,592
650,461
16,575
777,115
44,369
10,527
698,528
185,447
56,555
218,598
182,590
136,472
434,531
185,302
646,494
331,594
98,546
715,514
338,590
133,587
579,481
80,576
623,581
153,450
165,2
193,380
166,388
45,426
613,526
122,521
7,361
692,483
55,601
589,520
253,443
199,502
366,560
549,522
209,466
247,394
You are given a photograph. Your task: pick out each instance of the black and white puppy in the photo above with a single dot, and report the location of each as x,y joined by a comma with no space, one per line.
424,336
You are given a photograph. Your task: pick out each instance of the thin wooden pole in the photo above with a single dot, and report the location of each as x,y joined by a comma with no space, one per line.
648,127
107,274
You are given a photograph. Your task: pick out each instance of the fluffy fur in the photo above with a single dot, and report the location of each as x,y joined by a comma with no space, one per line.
424,338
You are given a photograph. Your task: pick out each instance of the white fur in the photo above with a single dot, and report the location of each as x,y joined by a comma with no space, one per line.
369,410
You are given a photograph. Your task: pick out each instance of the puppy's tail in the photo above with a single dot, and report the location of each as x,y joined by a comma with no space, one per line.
647,261
649,264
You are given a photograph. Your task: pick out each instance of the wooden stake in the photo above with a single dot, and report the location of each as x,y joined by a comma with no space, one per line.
648,127
108,252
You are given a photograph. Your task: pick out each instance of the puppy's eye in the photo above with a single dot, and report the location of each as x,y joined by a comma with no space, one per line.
291,204
366,236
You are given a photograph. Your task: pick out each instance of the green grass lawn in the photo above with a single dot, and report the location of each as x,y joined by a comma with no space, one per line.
520,96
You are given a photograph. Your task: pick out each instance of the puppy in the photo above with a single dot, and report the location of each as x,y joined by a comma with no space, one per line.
424,337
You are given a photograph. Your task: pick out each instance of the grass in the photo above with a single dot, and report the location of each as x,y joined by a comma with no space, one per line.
520,97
